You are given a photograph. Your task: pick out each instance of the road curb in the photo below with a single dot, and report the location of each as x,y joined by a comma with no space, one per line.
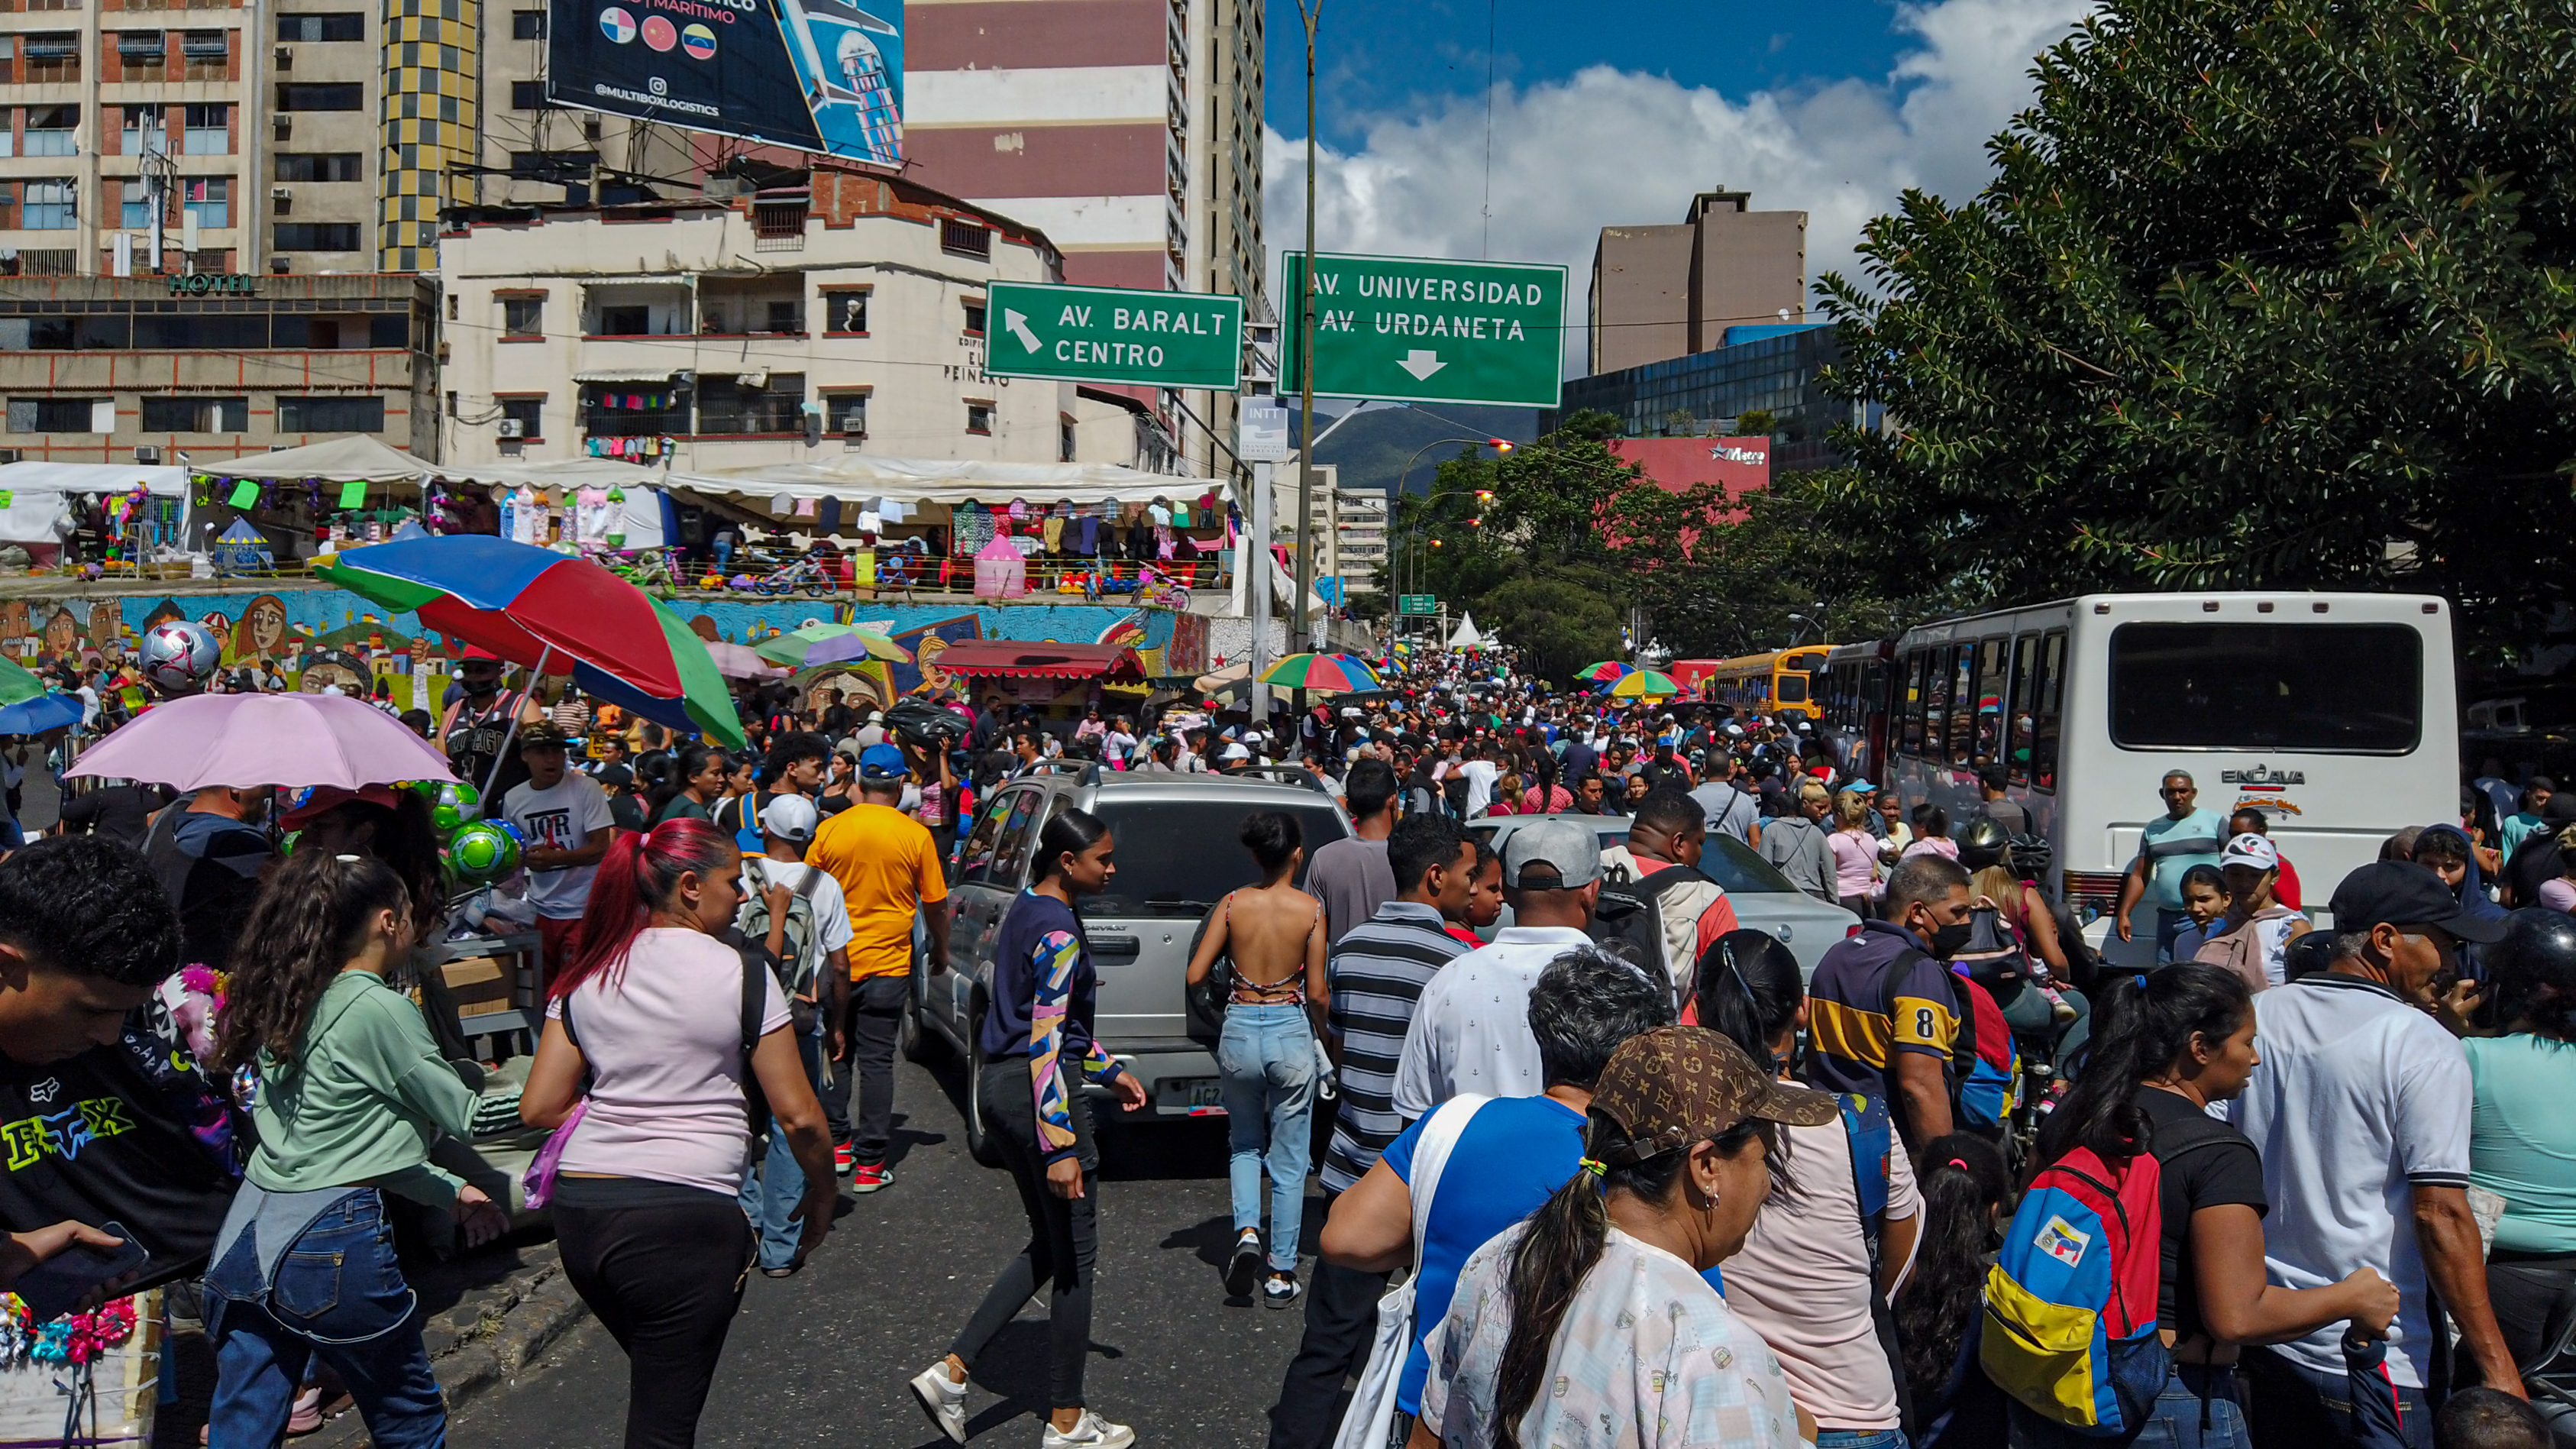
483,1343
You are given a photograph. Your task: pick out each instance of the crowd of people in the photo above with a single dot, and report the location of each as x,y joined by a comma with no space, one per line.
1646,1179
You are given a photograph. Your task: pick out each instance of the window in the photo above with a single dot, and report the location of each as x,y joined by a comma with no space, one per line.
1173,872
975,317
317,166
983,844
528,412
317,236
51,56
58,415
528,95
207,198
335,96
2050,692
135,205
785,317
51,205
845,314
334,25
1990,700
633,410
2350,689
633,321
964,238
1063,439
2024,682
523,316
979,418
556,166
196,415
1934,706
845,412
204,332
51,129
1962,659
209,131
527,25
330,415
208,53
776,406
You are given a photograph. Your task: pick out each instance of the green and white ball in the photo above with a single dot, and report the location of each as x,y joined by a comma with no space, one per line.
482,851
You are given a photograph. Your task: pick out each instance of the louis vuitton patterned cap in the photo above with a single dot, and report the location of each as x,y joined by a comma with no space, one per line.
1677,1085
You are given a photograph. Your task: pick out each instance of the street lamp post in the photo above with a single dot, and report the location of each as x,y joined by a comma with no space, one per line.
1309,11
1501,447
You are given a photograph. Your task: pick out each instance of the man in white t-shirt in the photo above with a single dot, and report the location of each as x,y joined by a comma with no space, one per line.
2360,1109
1470,1030
562,817
1481,774
818,988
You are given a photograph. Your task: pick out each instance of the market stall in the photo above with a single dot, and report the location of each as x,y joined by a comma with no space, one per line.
1049,675
358,490
135,512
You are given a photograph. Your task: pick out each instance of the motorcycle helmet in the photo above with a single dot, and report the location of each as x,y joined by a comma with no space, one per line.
1983,843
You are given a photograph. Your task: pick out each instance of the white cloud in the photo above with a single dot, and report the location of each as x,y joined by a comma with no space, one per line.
1607,147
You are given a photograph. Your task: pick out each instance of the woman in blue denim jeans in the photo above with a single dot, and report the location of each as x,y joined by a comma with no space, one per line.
347,1090
1267,1054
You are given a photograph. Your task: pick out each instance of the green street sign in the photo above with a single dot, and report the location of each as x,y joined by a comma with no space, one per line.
1421,604
1114,334
1411,329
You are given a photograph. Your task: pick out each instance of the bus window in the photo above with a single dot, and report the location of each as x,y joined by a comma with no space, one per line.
1963,702
2025,659
1936,702
1911,677
2328,688
1990,700
1793,689
2050,691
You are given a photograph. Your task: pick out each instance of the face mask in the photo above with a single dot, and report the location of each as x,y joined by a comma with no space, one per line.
1947,941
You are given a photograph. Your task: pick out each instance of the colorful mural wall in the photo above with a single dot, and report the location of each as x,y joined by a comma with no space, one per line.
316,637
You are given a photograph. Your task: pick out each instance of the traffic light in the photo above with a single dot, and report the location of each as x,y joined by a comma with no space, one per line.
1499,445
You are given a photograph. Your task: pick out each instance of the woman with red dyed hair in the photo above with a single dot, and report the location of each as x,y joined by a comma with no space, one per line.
645,1201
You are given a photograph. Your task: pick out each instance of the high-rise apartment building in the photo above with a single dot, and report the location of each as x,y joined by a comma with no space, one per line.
1129,131
1661,292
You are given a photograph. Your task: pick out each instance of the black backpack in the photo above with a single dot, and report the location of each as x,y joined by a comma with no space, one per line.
1628,919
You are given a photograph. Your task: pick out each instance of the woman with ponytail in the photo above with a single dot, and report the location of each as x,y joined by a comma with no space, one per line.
646,1197
1589,1322
690,790
2168,1045
347,1091
1822,1260
1037,1045
1955,1405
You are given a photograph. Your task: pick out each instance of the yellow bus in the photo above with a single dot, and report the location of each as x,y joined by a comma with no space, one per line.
1779,682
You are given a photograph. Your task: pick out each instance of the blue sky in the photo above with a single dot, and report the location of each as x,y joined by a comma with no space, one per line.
1374,57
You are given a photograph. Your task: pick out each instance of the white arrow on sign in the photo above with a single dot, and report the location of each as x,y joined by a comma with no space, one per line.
1421,364
1019,325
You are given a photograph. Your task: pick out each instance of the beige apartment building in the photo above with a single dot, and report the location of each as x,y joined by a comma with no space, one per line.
796,325
1660,292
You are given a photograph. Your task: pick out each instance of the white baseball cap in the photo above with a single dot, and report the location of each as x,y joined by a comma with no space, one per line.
2252,850
789,817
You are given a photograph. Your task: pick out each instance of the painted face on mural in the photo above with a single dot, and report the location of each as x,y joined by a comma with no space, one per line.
263,626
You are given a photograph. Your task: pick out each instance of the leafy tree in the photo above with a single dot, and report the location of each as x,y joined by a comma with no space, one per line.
2264,293
1559,621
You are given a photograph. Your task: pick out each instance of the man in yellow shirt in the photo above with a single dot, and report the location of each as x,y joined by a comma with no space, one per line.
889,872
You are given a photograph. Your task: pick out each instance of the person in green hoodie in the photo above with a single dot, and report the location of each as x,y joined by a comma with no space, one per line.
347,1090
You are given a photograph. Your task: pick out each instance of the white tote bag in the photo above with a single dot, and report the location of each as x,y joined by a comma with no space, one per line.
1371,1417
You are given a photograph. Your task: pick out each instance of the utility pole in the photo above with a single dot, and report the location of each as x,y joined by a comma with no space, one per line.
1299,637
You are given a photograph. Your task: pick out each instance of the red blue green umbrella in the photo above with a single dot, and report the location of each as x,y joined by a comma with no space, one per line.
545,610
1608,671
28,708
1324,673
1644,684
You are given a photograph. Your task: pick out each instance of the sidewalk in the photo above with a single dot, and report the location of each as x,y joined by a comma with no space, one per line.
488,1315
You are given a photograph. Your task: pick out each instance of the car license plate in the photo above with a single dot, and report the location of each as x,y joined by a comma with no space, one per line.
1194,1096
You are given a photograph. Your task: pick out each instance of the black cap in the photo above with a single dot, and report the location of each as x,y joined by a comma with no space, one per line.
2402,893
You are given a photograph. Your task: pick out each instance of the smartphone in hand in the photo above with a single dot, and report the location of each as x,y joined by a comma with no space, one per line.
56,1286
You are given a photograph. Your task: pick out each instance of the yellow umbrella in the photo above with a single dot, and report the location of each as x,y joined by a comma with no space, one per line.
1644,684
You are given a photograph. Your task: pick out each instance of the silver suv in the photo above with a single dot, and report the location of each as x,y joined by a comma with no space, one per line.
1177,856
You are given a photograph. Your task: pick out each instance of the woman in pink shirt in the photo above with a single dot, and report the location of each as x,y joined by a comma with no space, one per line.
1931,834
1855,853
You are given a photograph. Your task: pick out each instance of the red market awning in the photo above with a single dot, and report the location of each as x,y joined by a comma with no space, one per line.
1013,659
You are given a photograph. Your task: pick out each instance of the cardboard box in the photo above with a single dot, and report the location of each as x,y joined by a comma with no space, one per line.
480,984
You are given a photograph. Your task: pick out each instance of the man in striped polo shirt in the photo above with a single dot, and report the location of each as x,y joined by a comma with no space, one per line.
1377,971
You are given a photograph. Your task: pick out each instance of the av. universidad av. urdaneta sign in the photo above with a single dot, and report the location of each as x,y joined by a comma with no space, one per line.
1412,329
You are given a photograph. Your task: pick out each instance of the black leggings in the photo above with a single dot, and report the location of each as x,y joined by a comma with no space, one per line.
1063,1238
663,1267
2524,1287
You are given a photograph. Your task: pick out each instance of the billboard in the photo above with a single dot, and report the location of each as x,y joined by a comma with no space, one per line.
815,75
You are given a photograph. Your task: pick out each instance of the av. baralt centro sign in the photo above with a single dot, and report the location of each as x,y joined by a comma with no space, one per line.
1114,335
1414,329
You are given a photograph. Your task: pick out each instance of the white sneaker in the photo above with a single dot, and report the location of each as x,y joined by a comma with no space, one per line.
943,1401
1089,1432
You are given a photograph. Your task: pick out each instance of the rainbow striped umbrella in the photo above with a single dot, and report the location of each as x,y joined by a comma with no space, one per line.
1322,673
1644,684
1608,671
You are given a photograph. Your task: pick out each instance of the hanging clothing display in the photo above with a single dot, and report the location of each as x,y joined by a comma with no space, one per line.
971,529
593,517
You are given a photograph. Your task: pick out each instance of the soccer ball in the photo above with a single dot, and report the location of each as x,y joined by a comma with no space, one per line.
453,806
178,657
482,852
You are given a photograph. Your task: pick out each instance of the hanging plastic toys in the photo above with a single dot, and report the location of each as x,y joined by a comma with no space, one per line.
482,852
452,804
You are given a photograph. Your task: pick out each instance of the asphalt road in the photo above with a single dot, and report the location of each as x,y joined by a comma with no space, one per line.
822,1358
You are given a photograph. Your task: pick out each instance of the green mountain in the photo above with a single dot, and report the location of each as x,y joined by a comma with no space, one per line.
1372,449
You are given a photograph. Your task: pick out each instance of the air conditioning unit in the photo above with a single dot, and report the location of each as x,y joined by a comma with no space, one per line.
147,453
513,428
285,57
13,455
280,263
285,125
281,193
590,128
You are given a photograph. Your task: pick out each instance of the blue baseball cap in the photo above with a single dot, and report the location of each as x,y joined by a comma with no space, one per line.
882,762
1861,787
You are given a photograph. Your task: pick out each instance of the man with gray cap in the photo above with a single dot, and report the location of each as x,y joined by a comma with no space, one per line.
1470,1030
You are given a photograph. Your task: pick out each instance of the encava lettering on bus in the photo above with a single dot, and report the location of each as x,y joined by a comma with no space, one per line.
1115,335
1416,330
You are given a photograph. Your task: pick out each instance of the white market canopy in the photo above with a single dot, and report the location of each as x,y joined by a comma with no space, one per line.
1466,636
942,481
36,490
358,458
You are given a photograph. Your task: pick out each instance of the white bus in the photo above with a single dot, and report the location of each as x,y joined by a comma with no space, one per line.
2336,715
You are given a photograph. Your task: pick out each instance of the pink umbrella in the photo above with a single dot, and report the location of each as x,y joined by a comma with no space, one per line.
264,739
740,661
